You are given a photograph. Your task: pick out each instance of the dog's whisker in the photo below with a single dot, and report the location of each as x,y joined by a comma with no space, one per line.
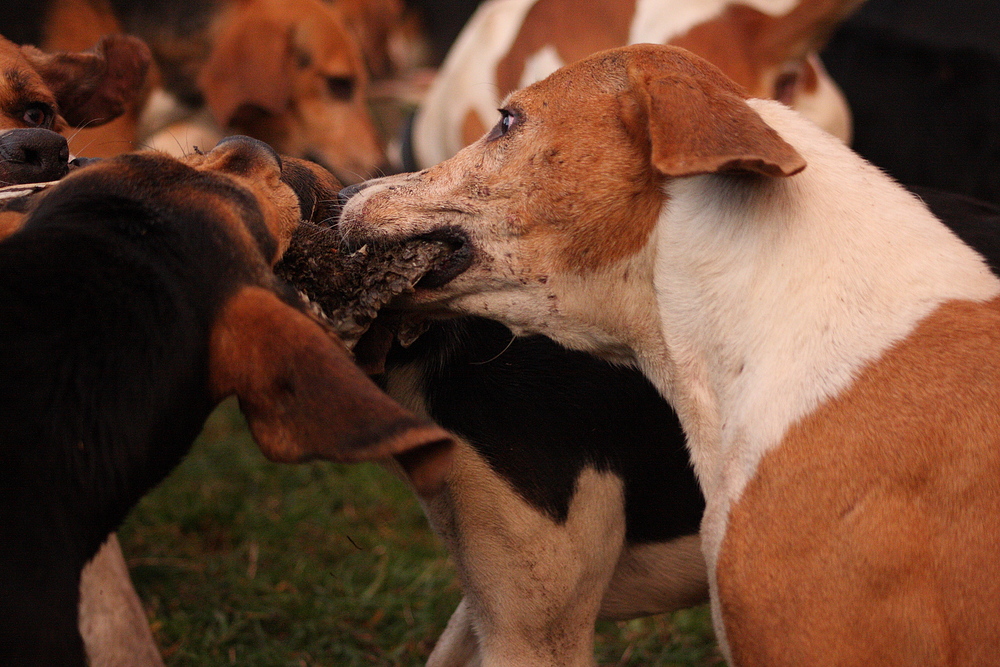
499,354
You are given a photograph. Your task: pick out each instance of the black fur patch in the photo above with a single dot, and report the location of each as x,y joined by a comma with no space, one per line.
109,291
539,414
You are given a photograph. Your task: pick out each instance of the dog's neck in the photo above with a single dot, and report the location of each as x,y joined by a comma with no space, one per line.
773,294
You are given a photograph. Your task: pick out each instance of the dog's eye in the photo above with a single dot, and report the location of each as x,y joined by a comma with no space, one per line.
38,115
341,87
508,119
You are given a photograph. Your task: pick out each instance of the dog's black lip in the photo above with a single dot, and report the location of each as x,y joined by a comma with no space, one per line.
457,262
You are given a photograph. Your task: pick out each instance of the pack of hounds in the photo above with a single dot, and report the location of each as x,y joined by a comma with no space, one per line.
734,265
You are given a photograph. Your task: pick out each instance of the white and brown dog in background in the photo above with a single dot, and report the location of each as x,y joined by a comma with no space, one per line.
829,345
767,46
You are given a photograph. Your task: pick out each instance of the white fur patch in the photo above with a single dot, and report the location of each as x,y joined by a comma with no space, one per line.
532,586
657,21
774,293
467,79
539,65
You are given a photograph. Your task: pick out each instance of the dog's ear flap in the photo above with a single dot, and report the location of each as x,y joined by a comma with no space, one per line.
704,126
250,66
304,398
94,87
316,188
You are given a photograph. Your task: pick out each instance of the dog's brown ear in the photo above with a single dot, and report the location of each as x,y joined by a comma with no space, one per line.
315,187
304,398
703,125
94,87
249,66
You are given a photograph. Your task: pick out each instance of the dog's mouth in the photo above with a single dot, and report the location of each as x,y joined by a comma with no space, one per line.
456,262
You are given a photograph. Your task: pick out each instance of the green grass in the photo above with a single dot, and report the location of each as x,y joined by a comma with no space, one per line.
241,561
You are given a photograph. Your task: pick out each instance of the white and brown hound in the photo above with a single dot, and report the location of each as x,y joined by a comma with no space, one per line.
829,345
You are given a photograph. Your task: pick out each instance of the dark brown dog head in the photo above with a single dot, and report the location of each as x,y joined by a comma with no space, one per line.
219,221
44,94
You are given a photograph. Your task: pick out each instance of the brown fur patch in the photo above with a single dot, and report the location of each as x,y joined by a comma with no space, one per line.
751,46
588,190
871,535
593,149
305,398
77,25
20,84
290,74
575,28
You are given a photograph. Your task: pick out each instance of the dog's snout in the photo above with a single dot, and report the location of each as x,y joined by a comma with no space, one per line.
32,155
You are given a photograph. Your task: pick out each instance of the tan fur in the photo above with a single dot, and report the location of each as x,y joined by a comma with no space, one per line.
112,621
577,150
889,532
752,47
561,570
510,46
10,222
374,24
88,88
698,123
76,25
13,63
829,346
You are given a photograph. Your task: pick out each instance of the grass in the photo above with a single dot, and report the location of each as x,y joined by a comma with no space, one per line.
241,561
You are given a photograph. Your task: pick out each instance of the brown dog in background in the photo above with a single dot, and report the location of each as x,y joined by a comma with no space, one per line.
287,72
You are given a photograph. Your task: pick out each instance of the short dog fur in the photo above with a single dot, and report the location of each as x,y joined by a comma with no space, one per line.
827,343
287,72
137,294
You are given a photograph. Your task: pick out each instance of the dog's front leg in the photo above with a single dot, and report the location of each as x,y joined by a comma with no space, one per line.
113,624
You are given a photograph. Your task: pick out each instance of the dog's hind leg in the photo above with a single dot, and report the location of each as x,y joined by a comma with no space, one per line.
533,584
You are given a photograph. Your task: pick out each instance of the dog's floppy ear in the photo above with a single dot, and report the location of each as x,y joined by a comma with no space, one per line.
703,125
316,188
249,66
94,87
304,398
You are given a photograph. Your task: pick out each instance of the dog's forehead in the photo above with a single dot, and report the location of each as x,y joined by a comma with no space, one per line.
319,35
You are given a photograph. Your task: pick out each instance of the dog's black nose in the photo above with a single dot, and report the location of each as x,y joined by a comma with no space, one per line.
349,191
32,155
